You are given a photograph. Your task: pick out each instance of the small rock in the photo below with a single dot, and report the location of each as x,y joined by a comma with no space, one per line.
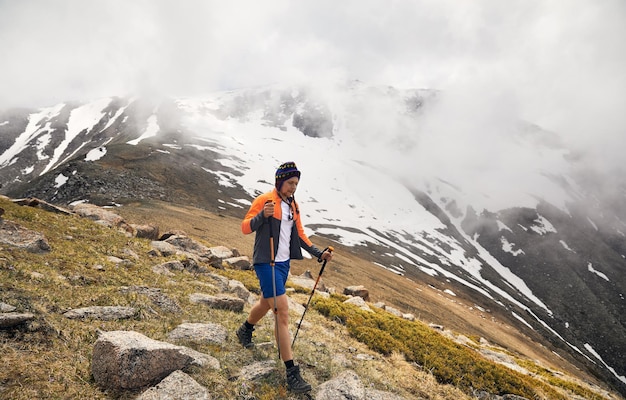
5,308
177,385
218,302
104,313
200,333
11,319
360,291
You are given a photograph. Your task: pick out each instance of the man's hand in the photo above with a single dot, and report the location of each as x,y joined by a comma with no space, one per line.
327,255
268,209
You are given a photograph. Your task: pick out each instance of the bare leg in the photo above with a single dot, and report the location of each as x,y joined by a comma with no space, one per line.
258,311
283,327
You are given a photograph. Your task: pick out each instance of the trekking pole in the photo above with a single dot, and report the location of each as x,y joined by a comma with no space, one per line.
295,336
273,265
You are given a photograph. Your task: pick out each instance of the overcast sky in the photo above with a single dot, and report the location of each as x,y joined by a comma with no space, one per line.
561,64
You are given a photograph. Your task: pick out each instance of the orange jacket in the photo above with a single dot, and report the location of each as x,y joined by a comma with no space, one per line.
254,221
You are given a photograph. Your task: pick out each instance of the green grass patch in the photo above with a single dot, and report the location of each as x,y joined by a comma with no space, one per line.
448,361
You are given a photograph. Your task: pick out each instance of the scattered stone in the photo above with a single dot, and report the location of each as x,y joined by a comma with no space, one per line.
295,307
15,235
359,302
222,302
102,216
348,386
164,248
44,205
222,281
168,234
127,360
156,296
131,254
240,263
192,264
37,275
188,245
238,289
393,311
166,268
12,319
221,252
306,281
104,313
173,265
177,385
258,370
200,333
5,308
408,316
436,327
345,386
359,290
145,231
160,270
200,359
364,357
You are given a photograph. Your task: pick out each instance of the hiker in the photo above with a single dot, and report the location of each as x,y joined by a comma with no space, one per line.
275,217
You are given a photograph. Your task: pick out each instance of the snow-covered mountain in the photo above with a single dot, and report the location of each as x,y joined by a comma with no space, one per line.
484,205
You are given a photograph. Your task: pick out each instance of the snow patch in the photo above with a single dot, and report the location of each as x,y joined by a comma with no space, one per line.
81,118
60,180
508,247
565,246
502,226
542,226
522,320
596,355
600,274
96,154
151,130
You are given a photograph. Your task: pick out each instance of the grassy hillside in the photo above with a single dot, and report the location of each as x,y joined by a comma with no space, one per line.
51,357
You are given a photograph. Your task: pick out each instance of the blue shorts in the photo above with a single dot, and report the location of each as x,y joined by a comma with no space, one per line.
264,273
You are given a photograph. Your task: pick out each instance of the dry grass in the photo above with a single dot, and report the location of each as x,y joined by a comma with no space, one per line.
51,358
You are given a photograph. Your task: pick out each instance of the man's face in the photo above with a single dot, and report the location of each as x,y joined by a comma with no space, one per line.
289,186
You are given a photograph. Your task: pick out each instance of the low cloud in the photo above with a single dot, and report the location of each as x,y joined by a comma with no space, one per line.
560,65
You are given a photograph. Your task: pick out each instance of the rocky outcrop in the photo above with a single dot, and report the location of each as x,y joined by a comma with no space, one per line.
127,360
102,216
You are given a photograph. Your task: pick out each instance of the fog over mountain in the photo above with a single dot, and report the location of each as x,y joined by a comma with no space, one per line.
559,65
525,234
477,147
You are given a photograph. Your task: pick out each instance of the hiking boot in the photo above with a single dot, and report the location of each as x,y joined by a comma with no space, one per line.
295,383
245,336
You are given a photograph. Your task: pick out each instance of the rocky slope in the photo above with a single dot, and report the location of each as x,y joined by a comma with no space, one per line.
112,314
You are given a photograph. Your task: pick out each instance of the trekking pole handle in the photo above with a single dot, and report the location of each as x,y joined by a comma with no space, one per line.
330,249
